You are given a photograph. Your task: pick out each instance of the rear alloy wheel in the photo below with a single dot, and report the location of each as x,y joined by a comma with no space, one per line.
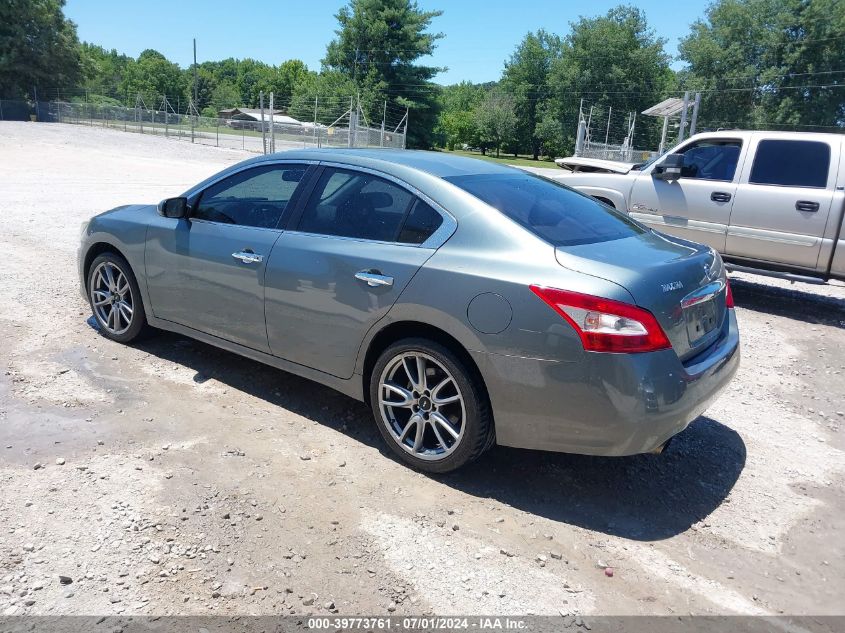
429,408
115,298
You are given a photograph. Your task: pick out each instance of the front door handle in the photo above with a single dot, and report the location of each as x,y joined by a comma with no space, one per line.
374,278
248,257
720,196
807,205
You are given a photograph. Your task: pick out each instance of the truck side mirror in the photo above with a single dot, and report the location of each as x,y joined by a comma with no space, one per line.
669,168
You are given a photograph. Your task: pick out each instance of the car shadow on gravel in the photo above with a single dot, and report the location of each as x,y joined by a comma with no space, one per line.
792,303
645,497
275,386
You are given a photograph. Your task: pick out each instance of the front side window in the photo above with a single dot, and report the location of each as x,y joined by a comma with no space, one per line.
711,160
791,164
557,214
355,204
256,197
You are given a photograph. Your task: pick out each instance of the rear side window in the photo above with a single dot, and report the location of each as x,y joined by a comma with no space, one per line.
420,224
355,204
555,213
791,164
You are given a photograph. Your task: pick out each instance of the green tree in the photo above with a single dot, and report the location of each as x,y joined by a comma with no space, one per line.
331,89
613,60
378,44
495,118
102,70
768,63
151,77
456,124
38,48
526,79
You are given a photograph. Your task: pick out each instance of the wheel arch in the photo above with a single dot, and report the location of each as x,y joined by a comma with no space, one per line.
399,330
95,250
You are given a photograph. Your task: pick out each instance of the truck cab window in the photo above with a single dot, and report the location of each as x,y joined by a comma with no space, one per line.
711,160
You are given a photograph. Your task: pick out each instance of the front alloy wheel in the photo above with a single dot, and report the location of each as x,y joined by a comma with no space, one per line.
115,298
431,410
111,298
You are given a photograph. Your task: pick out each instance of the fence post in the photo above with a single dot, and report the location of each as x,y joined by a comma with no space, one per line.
383,117
272,127
579,138
683,118
316,142
695,106
663,135
263,126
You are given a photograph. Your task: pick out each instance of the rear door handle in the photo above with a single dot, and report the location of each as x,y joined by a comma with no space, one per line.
374,278
720,196
248,257
807,205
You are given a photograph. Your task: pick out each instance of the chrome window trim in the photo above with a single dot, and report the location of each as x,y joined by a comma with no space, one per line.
197,189
240,226
434,241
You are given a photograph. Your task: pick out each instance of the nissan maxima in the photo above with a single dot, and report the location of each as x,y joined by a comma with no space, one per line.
467,303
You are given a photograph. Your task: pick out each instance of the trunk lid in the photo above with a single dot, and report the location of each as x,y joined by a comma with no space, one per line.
682,283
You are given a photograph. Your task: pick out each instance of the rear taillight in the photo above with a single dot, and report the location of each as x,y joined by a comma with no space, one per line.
605,325
729,294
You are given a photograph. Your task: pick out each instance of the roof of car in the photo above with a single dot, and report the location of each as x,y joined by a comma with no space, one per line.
441,164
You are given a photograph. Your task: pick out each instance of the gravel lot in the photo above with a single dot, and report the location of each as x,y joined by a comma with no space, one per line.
174,478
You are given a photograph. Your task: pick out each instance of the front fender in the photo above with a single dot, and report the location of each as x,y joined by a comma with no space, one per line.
123,233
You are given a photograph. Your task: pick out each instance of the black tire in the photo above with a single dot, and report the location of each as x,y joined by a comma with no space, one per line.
137,325
477,426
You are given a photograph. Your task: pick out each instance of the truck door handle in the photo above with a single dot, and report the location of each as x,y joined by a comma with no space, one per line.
374,278
720,196
807,205
248,257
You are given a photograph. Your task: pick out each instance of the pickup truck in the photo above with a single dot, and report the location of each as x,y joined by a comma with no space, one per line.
771,203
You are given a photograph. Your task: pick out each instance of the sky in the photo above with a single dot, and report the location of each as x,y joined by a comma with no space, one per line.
479,34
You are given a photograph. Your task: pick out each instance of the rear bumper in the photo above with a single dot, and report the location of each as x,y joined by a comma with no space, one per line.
605,404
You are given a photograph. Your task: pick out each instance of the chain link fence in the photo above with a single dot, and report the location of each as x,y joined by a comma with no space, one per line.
260,136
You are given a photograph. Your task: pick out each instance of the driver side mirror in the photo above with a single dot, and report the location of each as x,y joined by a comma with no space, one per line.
670,168
173,208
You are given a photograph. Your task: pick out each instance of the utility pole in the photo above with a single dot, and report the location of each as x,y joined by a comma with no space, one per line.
405,135
194,103
195,71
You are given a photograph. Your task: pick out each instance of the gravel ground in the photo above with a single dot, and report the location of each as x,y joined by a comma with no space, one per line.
175,478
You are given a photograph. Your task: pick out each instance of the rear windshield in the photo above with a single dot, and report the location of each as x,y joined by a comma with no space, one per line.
555,213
